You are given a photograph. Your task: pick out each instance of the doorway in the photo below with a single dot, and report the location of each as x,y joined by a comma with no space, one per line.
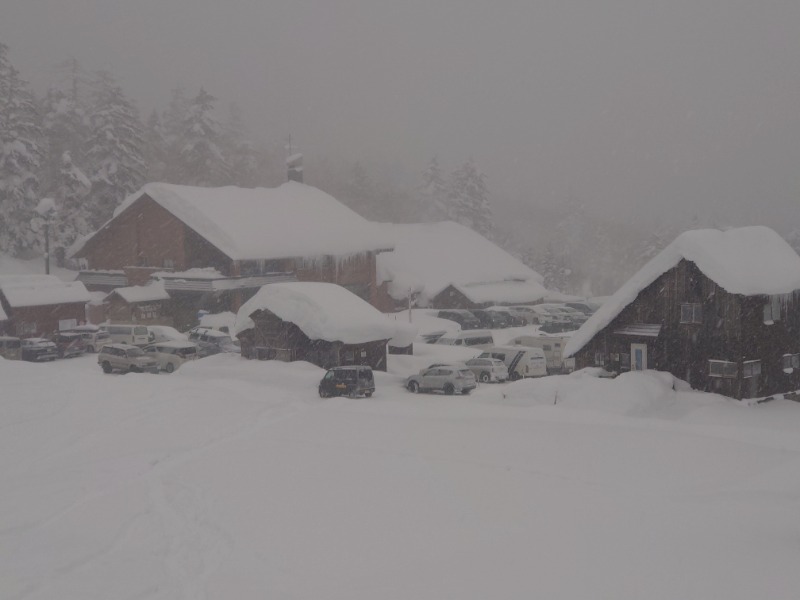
638,357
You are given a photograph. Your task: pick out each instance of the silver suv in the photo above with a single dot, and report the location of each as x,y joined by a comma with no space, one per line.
125,358
442,378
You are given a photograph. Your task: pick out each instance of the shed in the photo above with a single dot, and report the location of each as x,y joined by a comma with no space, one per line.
146,304
37,305
322,323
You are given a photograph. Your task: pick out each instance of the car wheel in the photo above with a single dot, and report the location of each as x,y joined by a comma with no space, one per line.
485,377
465,392
106,367
90,349
514,376
323,393
449,389
169,368
413,387
367,394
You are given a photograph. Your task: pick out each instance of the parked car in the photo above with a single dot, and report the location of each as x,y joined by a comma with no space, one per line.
547,315
355,380
69,344
442,378
552,346
557,327
488,369
172,354
212,341
164,333
93,336
515,319
525,312
135,335
461,316
475,337
10,347
38,350
584,307
126,358
521,361
490,319
432,336
575,316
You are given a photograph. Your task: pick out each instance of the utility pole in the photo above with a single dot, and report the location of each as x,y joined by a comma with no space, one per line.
47,209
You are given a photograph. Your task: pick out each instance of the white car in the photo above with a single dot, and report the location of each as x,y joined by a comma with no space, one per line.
488,369
443,378
171,355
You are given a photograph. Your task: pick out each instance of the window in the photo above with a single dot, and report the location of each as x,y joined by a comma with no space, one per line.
790,362
723,368
772,310
599,359
691,313
169,263
26,329
751,368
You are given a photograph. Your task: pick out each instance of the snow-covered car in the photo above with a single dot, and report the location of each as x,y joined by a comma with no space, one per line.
10,347
172,354
38,350
93,336
126,358
442,378
69,344
164,333
488,369
212,341
474,337
461,316
355,380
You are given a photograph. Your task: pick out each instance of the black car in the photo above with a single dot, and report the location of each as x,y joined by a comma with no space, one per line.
491,319
38,350
69,344
356,380
461,316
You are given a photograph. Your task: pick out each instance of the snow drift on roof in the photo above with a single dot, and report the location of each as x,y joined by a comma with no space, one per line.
512,292
748,261
322,311
430,256
142,293
41,290
292,220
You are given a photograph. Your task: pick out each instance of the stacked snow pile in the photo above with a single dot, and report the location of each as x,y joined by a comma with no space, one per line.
323,311
419,264
748,261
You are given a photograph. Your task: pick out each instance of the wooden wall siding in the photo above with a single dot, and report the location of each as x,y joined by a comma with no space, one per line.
46,318
357,273
119,311
285,341
199,254
450,297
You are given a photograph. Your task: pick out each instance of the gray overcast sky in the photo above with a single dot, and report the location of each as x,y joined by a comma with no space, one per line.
646,107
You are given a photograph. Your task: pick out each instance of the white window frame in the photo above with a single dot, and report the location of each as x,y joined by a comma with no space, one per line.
751,368
696,309
727,369
790,362
772,310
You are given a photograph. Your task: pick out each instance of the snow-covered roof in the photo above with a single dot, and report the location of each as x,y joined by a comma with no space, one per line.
513,292
748,261
322,311
41,290
142,293
428,257
292,220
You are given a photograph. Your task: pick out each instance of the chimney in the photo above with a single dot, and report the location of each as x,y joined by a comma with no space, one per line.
294,166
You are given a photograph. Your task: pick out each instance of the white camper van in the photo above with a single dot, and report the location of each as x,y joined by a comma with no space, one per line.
553,347
521,361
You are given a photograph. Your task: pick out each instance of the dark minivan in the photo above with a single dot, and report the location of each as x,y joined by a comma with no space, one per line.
356,380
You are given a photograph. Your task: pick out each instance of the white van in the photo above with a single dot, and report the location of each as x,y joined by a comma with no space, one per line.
135,335
553,347
470,337
520,360
171,355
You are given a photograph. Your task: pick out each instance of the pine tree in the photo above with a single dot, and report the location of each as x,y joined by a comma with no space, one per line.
470,196
201,160
115,159
241,152
20,159
434,195
156,149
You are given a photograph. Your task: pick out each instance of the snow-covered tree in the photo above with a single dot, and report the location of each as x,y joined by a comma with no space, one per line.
156,149
20,159
555,273
74,214
114,156
200,157
434,196
470,196
241,153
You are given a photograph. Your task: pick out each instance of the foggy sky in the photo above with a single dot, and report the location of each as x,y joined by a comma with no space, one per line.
638,108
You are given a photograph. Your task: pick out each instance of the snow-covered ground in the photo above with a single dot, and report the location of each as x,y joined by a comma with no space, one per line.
233,479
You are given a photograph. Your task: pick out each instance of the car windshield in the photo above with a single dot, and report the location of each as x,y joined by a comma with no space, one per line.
133,352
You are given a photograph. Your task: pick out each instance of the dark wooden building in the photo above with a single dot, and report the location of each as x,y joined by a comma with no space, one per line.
146,304
720,310
237,233
324,324
39,305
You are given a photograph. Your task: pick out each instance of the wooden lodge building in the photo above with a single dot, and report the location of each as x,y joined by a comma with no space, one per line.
39,305
720,310
241,238
322,323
